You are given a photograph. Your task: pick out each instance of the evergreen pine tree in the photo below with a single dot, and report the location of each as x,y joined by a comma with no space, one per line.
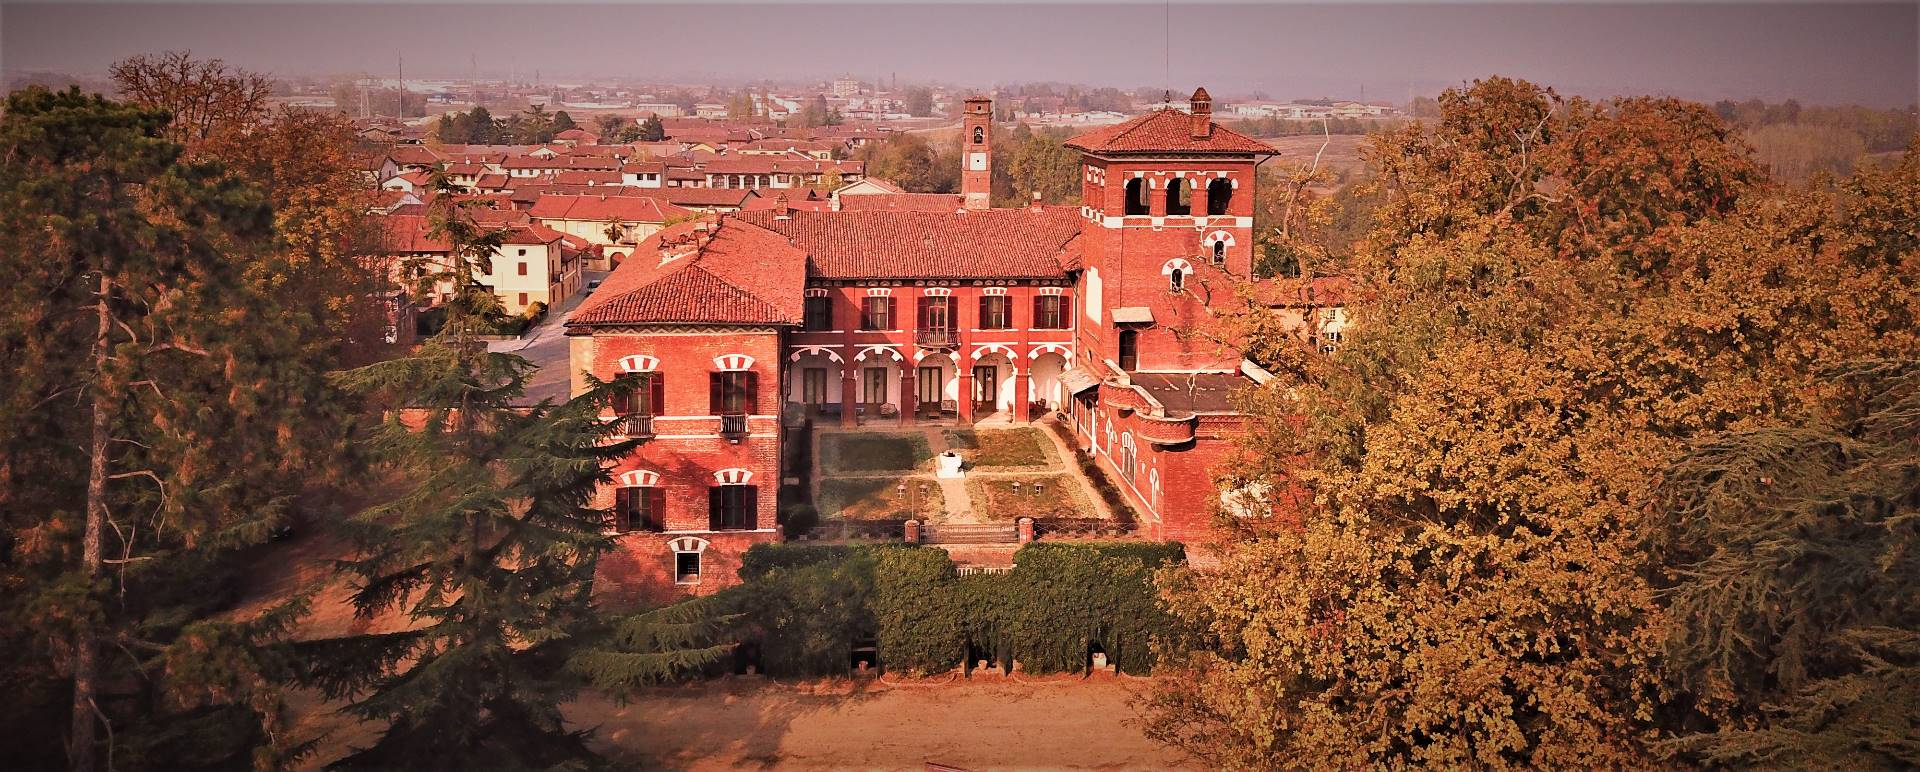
143,430
490,554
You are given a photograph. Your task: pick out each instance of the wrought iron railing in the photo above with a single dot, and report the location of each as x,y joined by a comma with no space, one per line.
733,426
936,337
638,426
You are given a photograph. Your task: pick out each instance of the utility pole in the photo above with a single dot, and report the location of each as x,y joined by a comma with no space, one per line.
403,85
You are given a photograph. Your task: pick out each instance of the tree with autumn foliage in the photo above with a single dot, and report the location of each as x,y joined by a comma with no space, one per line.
1557,299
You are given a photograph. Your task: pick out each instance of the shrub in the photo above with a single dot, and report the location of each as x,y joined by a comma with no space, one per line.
808,603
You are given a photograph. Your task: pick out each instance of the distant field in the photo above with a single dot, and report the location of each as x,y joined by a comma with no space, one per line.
1342,154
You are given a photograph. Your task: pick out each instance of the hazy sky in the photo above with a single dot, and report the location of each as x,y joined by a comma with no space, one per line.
1816,52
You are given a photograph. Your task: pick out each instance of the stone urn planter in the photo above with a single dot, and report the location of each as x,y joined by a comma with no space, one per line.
948,464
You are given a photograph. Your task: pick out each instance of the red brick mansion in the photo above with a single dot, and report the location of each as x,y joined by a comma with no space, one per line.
941,309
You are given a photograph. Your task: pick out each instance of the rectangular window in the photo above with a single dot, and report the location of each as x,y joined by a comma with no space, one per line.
813,385
1049,312
1129,350
733,393
996,312
876,385
686,568
876,313
645,399
523,299
819,316
523,268
935,313
732,507
640,509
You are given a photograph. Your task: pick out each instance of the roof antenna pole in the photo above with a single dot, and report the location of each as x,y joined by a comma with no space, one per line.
1166,54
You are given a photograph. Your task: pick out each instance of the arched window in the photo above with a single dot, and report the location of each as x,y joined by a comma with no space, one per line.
1219,196
1177,280
1219,253
1179,199
979,135
1126,455
1136,196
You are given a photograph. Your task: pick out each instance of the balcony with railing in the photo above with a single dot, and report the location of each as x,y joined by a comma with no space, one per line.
733,427
936,337
637,426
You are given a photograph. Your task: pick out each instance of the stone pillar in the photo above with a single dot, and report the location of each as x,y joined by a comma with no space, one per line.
964,374
849,394
909,394
1197,195
1026,529
1022,395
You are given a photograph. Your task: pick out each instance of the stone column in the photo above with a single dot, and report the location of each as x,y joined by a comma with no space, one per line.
963,373
909,393
1022,395
849,394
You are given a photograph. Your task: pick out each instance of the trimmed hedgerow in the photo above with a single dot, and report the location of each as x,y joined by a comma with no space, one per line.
807,604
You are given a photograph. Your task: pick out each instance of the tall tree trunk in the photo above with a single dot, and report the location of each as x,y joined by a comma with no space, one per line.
86,639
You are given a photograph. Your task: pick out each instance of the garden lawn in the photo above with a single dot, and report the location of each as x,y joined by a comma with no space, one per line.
989,449
1060,496
872,452
878,498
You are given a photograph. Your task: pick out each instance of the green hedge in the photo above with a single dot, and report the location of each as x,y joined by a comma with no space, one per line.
806,604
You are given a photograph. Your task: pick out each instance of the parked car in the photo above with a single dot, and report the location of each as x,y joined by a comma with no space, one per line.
592,285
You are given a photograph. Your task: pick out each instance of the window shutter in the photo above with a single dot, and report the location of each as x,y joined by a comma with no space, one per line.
750,507
983,311
659,390
920,312
893,310
657,507
622,403
716,399
622,502
752,383
713,507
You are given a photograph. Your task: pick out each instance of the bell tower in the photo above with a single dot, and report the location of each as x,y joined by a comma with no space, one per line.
976,153
1168,207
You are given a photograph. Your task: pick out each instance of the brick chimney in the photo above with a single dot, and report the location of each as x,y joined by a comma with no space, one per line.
1202,109
780,210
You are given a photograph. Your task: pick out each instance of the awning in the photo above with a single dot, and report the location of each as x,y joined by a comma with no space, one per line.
1079,379
1133,315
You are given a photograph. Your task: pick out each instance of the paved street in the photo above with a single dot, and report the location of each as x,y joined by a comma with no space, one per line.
546,346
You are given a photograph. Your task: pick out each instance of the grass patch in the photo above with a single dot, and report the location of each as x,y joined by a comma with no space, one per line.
994,498
872,452
879,498
1003,448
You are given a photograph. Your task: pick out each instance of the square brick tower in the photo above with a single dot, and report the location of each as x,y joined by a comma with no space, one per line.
976,153
1168,202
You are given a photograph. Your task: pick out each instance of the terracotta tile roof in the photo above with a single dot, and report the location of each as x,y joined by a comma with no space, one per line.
988,243
767,164
534,233
742,274
577,134
1166,131
413,155
587,178
903,202
602,208
492,182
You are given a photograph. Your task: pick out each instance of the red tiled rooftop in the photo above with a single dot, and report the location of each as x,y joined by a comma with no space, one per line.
903,202
989,243
741,275
605,208
1166,131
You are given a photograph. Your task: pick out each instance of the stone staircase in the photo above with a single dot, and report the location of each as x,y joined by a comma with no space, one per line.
968,533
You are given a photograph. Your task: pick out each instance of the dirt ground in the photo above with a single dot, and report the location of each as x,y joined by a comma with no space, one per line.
983,723
977,724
